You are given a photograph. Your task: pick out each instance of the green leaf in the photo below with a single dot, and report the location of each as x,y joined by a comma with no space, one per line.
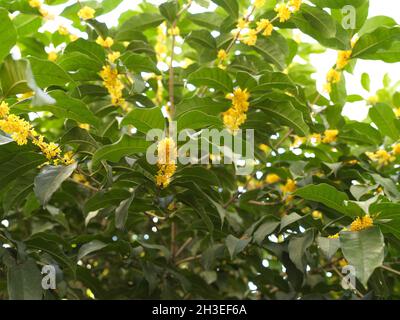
319,20
297,248
230,6
47,73
17,165
213,78
289,219
90,49
364,250
365,81
140,22
337,4
126,146
139,63
121,213
169,10
90,247
209,20
235,245
8,34
196,120
24,281
145,119
273,49
205,105
66,107
264,230
325,194
385,119
286,114
328,246
49,181
105,199
380,38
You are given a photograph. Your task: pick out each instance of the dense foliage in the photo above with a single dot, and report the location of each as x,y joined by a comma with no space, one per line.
77,192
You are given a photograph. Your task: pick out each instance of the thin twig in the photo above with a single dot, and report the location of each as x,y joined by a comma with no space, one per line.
358,293
390,269
188,259
180,250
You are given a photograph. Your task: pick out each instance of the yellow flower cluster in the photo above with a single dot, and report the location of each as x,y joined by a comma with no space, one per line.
52,56
38,4
161,47
113,56
21,130
330,136
289,187
235,116
111,80
316,214
361,223
381,156
342,61
272,178
167,154
105,43
86,13
283,11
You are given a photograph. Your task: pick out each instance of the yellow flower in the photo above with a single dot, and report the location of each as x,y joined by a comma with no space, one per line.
343,59
396,147
80,178
283,12
266,25
258,3
250,38
335,236
4,109
35,3
272,178
167,154
67,159
264,147
106,43
242,24
333,76
298,141
397,112
113,56
381,156
317,215
18,128
295,5
330,136
113,84
73,37
361,223
327,87
63,30
84,126
290,186
372,100
46,14
174,31
315,138
222,54
343,262
235,116
86,13
52,56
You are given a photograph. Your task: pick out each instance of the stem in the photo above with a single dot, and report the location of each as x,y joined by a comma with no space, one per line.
187,242
390,269
358,293
171,74
188,259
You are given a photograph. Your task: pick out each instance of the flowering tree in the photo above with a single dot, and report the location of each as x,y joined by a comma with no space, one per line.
84,212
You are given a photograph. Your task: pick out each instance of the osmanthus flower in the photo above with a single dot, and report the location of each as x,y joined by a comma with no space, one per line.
315,138
52,56
46,14
174,31
112,82
289,187
396,149
330,136
361,223
316,214
372,100
18,128
62,30
333,76
113,56
249,38
86,13
222,55
4,109
343,59
283,11
272,178
167,154
259,3
265,26
295,5
105,43
35,3
235,116
381,156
